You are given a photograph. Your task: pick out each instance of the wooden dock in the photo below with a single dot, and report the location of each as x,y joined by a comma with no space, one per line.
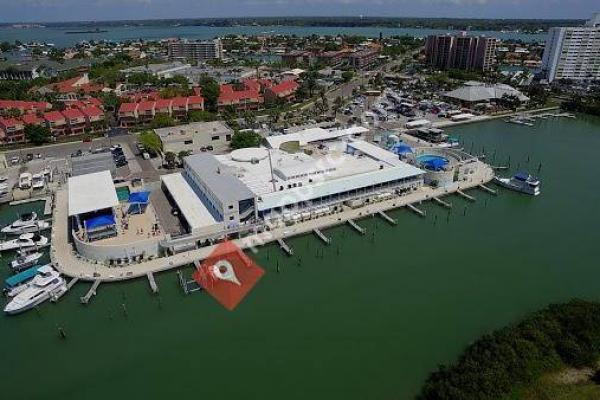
416,210
466,196
387,218
284,246
152,282
442,202
357,227
488,189
72,283
92,292
48,206
322,236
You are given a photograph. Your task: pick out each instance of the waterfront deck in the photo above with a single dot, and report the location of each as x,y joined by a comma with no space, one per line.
69,264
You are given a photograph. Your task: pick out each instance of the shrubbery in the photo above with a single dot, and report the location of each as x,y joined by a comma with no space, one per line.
564,334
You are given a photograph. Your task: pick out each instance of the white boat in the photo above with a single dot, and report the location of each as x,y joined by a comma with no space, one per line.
24,241
35,226
38,181
25,180
25,260
45,285
520,182
26,219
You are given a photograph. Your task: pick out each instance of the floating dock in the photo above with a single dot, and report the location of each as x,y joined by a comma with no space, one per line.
152,282
416,210
357,227
283,245
442,202
92,292
387,218
322,236
487,189
466,196
188,286
48,206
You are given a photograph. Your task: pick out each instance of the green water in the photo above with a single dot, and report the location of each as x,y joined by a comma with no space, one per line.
365,318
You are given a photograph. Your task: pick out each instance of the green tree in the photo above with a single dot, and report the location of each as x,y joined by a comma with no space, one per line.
183,154
170,159
210,91
201,116
151,142
245,139
347,76
37,134
162,121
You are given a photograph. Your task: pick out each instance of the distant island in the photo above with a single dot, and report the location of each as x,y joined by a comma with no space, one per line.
97,30
519,25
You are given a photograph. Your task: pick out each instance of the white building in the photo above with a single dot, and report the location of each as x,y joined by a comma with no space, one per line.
196,50
573,52
195,137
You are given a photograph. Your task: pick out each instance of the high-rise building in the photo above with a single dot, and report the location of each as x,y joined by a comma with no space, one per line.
196,50
461,52
573,52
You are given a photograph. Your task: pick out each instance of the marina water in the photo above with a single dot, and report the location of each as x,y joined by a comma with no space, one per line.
366,317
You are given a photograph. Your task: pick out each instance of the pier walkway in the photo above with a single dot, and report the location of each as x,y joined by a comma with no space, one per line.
322,236
387,218
69,264
356,226
442,202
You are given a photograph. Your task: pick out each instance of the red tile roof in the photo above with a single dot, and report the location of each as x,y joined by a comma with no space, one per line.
93,111
180,102
70,85
146,105
289,85
163,103
9,122
195,100
24,105
73,113
31,119
54,116
128,107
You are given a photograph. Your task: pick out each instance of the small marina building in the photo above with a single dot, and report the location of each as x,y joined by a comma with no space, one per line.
195,137
474,92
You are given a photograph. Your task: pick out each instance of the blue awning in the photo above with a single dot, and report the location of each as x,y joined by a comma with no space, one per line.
99,221
402,149
522,175
21,277
139,197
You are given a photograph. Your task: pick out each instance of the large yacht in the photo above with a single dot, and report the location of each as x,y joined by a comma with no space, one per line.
24,241
521,182
46,284
19,229
26,219
25,260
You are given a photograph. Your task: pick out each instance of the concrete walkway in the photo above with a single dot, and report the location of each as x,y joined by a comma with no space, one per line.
68,263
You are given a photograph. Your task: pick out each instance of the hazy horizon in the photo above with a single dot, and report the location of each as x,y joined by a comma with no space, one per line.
56,11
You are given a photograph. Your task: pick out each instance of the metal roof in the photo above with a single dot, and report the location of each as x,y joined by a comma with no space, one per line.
477,91
217,177
192,208
91,192
313,135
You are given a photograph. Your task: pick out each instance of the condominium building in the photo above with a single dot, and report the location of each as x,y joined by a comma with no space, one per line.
461,52
573,52
196,50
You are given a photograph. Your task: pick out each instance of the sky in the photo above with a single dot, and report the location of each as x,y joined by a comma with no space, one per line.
98,10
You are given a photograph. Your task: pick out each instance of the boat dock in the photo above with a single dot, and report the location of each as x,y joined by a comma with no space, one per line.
188,286
416,210
487,189
152,282
387,218
48,206
322,236
442,202
72,283
466,196
92,292
284,246
357,227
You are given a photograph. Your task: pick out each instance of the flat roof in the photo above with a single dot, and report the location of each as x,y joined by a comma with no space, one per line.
376,153
313,135
194,211
176,133
91,192
218,178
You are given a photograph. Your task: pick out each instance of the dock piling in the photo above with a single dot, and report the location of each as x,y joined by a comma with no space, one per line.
356,227
387,218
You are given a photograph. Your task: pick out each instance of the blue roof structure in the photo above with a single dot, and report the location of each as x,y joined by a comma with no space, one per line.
99,221
522,176
401,148
21,277
139,197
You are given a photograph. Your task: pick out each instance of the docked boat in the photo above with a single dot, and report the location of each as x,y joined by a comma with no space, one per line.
25,260
15,284
45,285
520,182
35,226
26,219
26,240
25,180
38,181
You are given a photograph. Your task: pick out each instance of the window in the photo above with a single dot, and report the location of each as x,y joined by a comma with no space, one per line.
228,138
188,142
231,218
215,138
230,207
